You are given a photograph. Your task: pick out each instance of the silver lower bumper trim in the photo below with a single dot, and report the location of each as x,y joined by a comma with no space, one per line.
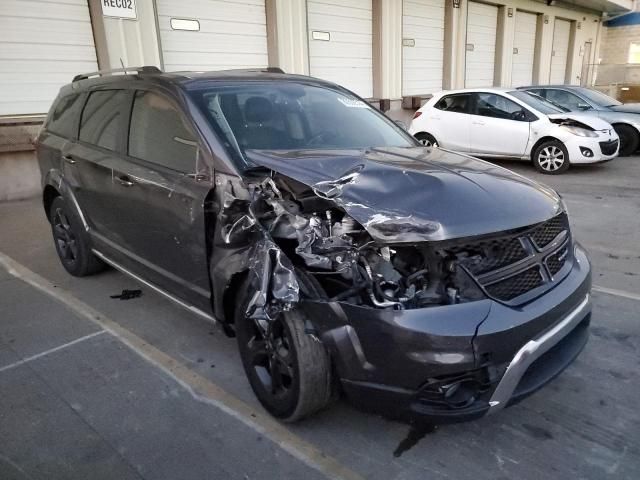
533,350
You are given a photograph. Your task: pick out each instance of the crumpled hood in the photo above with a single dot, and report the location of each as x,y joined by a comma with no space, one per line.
626,107
590,120
417,194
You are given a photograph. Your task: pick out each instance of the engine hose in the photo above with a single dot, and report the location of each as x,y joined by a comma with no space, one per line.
372,295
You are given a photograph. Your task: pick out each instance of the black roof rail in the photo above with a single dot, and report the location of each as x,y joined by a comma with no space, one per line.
100,73
274,70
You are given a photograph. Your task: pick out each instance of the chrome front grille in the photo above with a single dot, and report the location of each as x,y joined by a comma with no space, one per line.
514,267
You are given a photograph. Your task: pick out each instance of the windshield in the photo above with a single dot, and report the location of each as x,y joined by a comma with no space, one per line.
294,116
599,98
537,102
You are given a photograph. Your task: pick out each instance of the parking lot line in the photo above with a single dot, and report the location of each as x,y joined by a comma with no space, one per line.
51,350
198,387
616,292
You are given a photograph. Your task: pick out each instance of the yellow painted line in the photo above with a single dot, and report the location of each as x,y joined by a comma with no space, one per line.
199,387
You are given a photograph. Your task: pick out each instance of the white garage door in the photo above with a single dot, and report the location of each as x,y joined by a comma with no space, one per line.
560,52
422,46
212,34
524,47
482,23
43,45
341,43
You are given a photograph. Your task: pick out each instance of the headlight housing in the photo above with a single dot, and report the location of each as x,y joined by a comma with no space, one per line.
581,132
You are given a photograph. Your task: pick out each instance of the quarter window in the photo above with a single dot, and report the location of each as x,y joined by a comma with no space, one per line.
64,119
454,103
497,106
160,135
102,117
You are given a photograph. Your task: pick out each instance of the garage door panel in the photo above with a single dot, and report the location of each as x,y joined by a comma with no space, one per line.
340,24
524,42
422,63
34,9
560,51
43,45
215,43
343,11
213,10
44,31
338,50
15,51
233,34
347,58
482,21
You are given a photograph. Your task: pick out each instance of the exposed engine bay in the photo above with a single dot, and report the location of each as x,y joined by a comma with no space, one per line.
340,256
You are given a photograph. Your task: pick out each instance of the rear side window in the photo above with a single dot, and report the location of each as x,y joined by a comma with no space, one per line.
66,114
159,133
102,118
454,103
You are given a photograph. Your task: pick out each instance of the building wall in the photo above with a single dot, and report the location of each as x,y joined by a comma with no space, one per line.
615,44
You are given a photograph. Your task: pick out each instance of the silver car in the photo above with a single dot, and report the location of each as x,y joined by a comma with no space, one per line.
625,118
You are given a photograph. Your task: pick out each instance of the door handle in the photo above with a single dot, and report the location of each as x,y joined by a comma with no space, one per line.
69,159
477,122
125,181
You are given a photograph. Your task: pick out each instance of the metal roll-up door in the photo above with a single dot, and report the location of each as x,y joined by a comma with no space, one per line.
341,43
524,47
212,34
422,46
43,45
560,51
482,24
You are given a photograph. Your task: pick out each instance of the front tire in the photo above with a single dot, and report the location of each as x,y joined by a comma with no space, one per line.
288,369
629,139
551,158
72,241
426,139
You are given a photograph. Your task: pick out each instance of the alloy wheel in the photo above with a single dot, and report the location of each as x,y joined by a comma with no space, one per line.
64,237
271,356
551,158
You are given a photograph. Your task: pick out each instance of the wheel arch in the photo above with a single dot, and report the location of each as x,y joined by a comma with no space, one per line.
49,194
540,141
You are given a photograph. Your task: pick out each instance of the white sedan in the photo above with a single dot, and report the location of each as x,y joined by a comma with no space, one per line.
506,123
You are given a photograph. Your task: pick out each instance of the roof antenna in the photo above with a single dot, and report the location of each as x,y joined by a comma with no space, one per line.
122,63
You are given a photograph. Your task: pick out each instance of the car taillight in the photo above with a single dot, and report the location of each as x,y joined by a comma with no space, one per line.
417,114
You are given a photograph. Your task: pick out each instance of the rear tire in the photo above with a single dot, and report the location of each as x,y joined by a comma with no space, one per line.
426,139
288,369
629,139
551,158
72,240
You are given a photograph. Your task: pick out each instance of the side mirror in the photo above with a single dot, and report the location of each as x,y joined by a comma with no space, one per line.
401,124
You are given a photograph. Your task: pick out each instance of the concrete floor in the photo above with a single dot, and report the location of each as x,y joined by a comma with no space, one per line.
92,387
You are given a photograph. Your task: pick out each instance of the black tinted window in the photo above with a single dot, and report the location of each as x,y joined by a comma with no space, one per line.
64,119
497,106
159,134
102,118
454,103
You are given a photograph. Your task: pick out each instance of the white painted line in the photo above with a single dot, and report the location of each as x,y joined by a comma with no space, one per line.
616,292
52,350
200,388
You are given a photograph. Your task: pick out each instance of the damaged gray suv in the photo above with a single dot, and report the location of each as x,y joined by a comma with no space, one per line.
343,256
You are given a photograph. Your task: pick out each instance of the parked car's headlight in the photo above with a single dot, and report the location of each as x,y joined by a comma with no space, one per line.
581,132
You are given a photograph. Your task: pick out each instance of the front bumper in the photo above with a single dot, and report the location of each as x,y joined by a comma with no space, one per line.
389,361
601,148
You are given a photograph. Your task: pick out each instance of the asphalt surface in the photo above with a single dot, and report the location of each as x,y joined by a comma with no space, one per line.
94,387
